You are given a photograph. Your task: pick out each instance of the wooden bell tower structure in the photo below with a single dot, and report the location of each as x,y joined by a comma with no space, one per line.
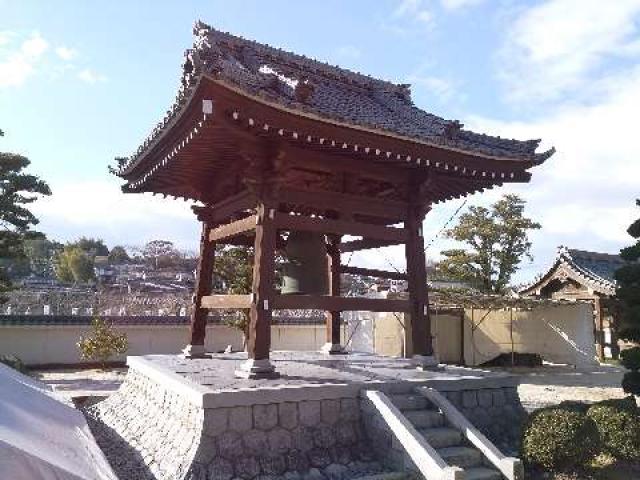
268,143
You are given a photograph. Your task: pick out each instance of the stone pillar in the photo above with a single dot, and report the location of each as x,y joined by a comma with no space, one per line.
204,276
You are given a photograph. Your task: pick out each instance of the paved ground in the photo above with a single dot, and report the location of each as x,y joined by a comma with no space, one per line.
542,386
307,368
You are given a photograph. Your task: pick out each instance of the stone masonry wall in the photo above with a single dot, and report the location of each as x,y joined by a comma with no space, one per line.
146,432
312,439
496,412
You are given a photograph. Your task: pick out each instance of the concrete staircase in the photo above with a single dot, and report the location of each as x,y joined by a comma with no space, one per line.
448,442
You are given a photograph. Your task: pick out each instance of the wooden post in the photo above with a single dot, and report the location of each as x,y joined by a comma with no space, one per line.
599,328
333,344
259,341
417,277
204,276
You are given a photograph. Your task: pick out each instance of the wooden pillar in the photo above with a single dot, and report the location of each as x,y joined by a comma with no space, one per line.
421,341
333,343
259,341
204,276
599,328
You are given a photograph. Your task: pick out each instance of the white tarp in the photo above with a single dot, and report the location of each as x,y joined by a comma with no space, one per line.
42,437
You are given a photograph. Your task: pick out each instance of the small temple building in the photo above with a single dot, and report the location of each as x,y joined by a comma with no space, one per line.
583,275
281,152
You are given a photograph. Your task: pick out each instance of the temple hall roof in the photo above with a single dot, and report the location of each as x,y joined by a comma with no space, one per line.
335,94
593,269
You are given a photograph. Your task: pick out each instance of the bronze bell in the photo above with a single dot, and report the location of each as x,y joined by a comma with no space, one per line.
305,270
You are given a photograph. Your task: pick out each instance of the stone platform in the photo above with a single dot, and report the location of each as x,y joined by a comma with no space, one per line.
176,419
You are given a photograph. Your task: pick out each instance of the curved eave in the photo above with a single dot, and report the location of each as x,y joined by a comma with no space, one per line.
403,142
588,278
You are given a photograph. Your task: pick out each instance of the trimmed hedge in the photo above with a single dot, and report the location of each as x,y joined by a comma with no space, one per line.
560,439
619,430
15,363
630,358
631,383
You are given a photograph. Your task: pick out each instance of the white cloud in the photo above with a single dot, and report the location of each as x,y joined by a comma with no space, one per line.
459,4
414,11
66,53
438,87
18,65
559,46
89,76
99,208
349,51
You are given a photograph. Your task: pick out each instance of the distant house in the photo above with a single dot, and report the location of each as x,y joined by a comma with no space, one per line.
582,275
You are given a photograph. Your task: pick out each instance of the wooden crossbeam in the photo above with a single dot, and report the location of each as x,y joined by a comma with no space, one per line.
221,211
365,243
346,203
330,303
372,272
226,301
230,230
339,227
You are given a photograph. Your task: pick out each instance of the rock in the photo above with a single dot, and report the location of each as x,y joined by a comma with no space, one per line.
330,411
336,472
313,474
319,457
248,467
240,419
265,417
297,461
273,465
309,412
230,445
324,437
279,440
220,469
256,442
288,415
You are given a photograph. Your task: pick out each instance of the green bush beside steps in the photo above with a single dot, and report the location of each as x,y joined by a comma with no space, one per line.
570,435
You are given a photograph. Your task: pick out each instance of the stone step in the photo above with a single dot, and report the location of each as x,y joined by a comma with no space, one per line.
409,402
440,437
386,476
462,457
424,418
482,473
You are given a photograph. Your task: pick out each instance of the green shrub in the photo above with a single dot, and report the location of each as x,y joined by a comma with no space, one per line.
15,363
103,343
627,404
630,358
619,431
560,439
574,405
631,383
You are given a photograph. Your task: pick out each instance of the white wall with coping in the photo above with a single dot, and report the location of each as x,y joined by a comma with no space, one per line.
56,344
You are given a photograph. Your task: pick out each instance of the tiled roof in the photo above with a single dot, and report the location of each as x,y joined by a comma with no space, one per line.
601,266
594,269
309,86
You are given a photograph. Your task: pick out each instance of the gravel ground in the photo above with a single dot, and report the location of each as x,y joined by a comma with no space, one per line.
83,383
552,384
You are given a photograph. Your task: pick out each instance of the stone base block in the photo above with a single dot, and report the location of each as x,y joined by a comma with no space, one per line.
333,349
257,369
425,362
194,351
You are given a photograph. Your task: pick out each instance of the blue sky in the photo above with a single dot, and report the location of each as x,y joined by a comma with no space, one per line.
82,82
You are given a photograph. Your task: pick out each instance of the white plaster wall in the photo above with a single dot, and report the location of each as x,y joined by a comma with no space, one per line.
560,333
43,344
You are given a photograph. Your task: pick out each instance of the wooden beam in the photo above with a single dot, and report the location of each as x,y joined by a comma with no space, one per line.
232,229
225,301
346,203
338,227
364,244
333,277
220,212
372,272
327,302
